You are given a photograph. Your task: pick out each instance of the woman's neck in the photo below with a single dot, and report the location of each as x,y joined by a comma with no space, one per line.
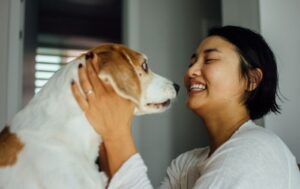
222,126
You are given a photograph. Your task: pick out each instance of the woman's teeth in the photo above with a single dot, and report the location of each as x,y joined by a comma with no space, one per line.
197,87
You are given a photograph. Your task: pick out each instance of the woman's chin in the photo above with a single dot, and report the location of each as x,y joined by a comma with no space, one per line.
191,104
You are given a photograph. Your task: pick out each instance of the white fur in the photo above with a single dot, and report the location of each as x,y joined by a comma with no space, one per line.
60,147
157,90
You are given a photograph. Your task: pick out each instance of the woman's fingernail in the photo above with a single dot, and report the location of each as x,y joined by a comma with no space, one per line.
80,65
72,82
89,55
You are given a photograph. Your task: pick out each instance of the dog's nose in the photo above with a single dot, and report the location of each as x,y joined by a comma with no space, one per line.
177,87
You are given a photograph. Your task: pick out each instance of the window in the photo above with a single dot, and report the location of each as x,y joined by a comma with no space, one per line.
49,60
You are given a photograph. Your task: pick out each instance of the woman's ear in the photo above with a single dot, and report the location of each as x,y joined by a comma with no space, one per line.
255,77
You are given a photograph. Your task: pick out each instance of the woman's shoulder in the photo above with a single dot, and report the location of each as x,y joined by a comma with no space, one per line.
250,131
256,142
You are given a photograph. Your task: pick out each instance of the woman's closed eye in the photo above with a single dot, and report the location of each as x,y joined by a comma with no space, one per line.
210,60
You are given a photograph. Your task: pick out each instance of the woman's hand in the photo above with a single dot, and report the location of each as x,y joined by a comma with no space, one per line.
108,113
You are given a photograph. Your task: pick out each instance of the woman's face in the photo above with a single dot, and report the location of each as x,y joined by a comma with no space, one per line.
213,80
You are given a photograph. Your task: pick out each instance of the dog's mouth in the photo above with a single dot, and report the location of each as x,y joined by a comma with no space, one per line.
159,105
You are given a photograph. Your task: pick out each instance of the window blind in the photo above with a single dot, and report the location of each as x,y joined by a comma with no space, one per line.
49,60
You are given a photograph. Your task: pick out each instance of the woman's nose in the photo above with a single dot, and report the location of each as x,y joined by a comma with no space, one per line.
194,70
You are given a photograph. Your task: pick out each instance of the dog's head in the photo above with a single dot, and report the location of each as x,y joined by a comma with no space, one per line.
128,73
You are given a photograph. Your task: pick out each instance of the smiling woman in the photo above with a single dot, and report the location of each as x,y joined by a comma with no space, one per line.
232,79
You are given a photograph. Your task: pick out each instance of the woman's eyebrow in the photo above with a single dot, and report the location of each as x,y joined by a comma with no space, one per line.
206,51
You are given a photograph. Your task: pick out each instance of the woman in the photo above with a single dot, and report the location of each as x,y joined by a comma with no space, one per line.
231,80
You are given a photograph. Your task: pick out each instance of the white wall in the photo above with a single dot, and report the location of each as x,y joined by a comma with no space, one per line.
4,12
277,21
241,13
168,32
281,27
11,48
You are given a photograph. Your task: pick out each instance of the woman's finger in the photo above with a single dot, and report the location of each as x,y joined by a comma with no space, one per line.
96,82
93,76
85,83
78,96
96,62
91,55
92,66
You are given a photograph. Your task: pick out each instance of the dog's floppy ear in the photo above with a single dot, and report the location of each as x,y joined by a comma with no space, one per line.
117,68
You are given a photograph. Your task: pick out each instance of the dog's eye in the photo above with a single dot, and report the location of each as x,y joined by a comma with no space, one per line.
145,67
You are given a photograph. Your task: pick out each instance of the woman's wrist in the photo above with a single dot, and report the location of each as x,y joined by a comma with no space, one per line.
119,150
116,132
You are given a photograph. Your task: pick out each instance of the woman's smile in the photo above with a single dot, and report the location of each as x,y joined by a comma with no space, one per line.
195,87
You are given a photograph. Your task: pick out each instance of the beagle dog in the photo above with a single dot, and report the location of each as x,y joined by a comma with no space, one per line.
50,144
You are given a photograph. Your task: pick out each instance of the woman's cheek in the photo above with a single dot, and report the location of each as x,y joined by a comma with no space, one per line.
220,79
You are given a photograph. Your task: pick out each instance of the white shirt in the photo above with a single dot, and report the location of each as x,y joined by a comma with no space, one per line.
253,158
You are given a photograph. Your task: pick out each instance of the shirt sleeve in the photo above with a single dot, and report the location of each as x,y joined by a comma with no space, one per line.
183,172
131,175
172,179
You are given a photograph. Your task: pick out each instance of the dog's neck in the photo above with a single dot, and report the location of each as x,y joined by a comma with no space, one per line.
54,114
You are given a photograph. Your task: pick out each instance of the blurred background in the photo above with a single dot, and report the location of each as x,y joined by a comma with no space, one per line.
37,37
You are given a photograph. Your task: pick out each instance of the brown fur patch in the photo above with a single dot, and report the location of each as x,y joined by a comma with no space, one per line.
113,60
10,147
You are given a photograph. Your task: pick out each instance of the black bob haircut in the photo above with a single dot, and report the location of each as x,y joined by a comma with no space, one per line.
254,53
